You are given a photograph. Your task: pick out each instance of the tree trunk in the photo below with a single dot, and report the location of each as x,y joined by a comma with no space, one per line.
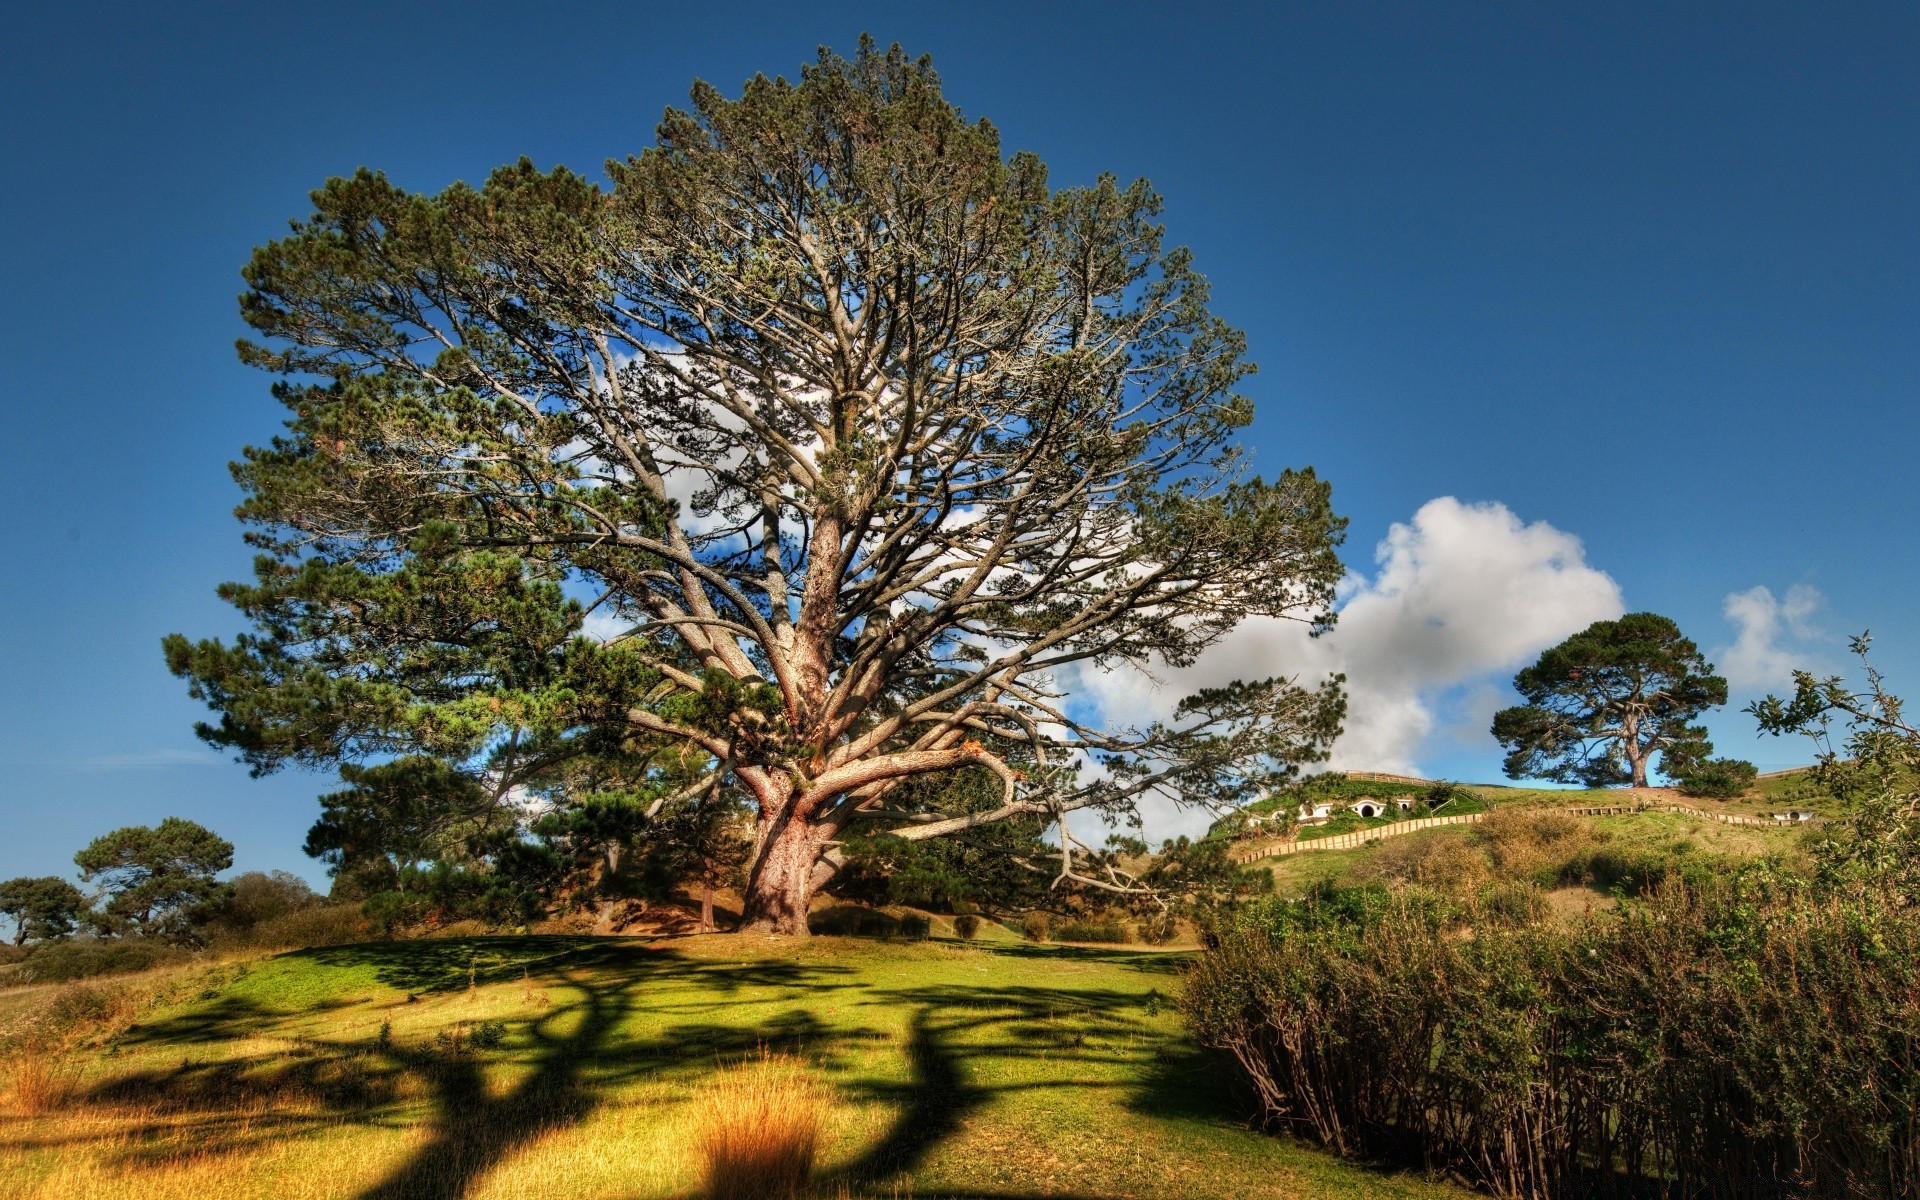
1636,754
780,889
706,904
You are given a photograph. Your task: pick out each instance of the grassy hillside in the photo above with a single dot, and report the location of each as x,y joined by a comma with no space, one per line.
558,1067
1596,854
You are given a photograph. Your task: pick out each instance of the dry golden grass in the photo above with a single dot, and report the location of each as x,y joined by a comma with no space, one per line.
1521,841
759,1130
40,1081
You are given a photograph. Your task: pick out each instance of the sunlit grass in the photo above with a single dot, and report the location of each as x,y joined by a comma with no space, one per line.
932,1068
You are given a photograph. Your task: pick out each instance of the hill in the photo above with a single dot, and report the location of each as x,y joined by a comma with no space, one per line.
1608,846
564,1067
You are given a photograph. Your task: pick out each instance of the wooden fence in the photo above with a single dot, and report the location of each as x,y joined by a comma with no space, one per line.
1360,837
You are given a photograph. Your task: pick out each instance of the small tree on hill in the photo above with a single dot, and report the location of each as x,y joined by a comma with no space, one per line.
855,429
1603,703
42,909
154,877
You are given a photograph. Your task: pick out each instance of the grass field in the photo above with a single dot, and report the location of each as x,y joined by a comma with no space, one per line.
373,1071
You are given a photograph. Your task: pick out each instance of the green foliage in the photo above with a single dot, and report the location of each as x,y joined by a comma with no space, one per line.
1516,1053
1717,778
397,817
1600,705
1087,929
42,909
88,957
159,880
856,920
1874,775
498,396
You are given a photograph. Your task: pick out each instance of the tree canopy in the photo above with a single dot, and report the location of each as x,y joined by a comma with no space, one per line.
153,875
1600,705
42,909
846,432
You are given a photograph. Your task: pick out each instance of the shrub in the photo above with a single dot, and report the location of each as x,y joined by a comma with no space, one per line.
85,958
1517,1053
1089,930
853,920
1035,926
1159,929
1522,843
39,1080
1446,862
759,1127
322,925
967,926
914,927
1718,779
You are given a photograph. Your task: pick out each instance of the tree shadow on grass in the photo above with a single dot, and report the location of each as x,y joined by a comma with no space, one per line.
565,1060
569,1059
956,1030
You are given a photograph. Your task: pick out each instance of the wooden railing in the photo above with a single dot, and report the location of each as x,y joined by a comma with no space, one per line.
1360,837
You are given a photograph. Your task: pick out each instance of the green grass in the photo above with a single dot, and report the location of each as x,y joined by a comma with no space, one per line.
1664,835
955,1069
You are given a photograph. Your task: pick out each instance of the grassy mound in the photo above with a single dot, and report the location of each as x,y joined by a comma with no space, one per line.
563,1067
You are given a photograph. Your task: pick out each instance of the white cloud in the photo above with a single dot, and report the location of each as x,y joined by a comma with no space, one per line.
1772,636
1463,595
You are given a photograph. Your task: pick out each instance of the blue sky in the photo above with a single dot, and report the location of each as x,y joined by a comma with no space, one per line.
1645,277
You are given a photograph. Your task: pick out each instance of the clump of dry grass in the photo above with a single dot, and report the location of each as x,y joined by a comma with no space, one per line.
40,1081
759,1126
1443,862
1524,841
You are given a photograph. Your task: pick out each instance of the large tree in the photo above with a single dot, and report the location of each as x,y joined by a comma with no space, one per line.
850,434
1600,705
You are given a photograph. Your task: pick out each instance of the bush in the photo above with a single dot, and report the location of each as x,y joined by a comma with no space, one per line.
1443,861
1160,929
1719,779
1035,926
1088,930
323,925
1517,1053
85,958
1522,843
853,920
967,926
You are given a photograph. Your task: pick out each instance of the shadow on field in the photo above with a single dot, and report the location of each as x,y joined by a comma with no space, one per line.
569,1057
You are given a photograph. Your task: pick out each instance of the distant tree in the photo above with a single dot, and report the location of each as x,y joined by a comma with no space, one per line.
859,431
1603,703
155,877
42,909
256,897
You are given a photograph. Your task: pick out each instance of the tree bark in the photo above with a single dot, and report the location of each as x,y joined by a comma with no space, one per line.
706,903
780,889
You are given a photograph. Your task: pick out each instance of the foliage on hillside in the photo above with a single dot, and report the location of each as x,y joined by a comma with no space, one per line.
1710,1037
